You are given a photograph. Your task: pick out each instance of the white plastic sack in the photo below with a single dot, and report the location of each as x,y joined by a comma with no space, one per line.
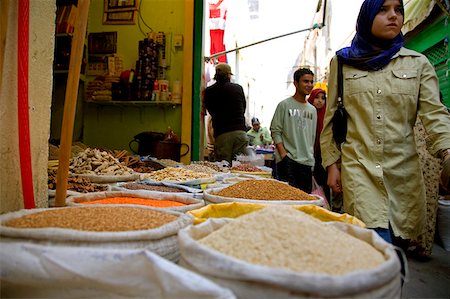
191,202
443,222
161,240
41,271
254,281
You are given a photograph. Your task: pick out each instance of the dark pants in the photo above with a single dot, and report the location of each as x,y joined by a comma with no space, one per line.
296,174
230,144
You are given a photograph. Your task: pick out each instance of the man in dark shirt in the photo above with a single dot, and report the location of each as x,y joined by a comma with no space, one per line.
225,102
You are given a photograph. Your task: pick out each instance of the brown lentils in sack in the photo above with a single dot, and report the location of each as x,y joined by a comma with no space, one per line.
137,186
264,190
98,219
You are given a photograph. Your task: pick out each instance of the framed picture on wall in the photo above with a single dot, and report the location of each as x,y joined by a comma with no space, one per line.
120,5
120,18
102,42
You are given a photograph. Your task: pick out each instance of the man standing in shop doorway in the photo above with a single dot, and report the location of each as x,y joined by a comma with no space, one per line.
293,130
225,102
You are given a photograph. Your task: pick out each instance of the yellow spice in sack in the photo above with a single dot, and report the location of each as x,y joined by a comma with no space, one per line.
282,237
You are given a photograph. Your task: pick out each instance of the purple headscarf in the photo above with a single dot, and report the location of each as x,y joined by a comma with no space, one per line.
366,51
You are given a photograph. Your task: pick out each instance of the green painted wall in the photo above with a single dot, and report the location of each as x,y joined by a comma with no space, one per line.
197,117
113,126
433,43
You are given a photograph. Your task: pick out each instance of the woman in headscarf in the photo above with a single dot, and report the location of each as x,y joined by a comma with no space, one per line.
317,98
385,87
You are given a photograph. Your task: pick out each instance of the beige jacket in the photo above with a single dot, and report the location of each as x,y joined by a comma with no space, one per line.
380,175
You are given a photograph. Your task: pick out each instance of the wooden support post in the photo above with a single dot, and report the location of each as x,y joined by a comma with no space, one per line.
73,79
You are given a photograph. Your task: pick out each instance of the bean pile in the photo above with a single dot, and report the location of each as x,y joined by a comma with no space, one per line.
246,167
146,166
282,237
98,219
200,168
176,174
137,186
264,190
136,201
209,164
169,162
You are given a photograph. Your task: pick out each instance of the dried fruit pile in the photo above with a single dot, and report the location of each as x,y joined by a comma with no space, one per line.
78,184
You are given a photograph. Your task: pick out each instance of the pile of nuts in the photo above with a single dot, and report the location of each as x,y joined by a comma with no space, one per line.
97,162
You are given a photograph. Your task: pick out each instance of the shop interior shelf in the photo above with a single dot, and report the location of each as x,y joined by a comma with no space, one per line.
134,103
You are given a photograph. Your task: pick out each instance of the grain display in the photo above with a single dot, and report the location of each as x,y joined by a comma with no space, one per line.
157,203
98,219
175,174
282,237
137,186
264,190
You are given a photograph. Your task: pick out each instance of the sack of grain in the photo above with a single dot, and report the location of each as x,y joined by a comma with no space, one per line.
42,271
237,209
112,226
277,253
265,191
162,187
184,201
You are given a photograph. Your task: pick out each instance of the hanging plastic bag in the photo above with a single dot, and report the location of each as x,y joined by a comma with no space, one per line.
318,190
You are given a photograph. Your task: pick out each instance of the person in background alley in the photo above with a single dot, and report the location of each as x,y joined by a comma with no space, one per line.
385,88
225,102
258,136
293,130
317,98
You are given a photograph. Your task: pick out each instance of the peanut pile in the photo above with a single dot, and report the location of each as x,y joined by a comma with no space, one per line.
264,190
